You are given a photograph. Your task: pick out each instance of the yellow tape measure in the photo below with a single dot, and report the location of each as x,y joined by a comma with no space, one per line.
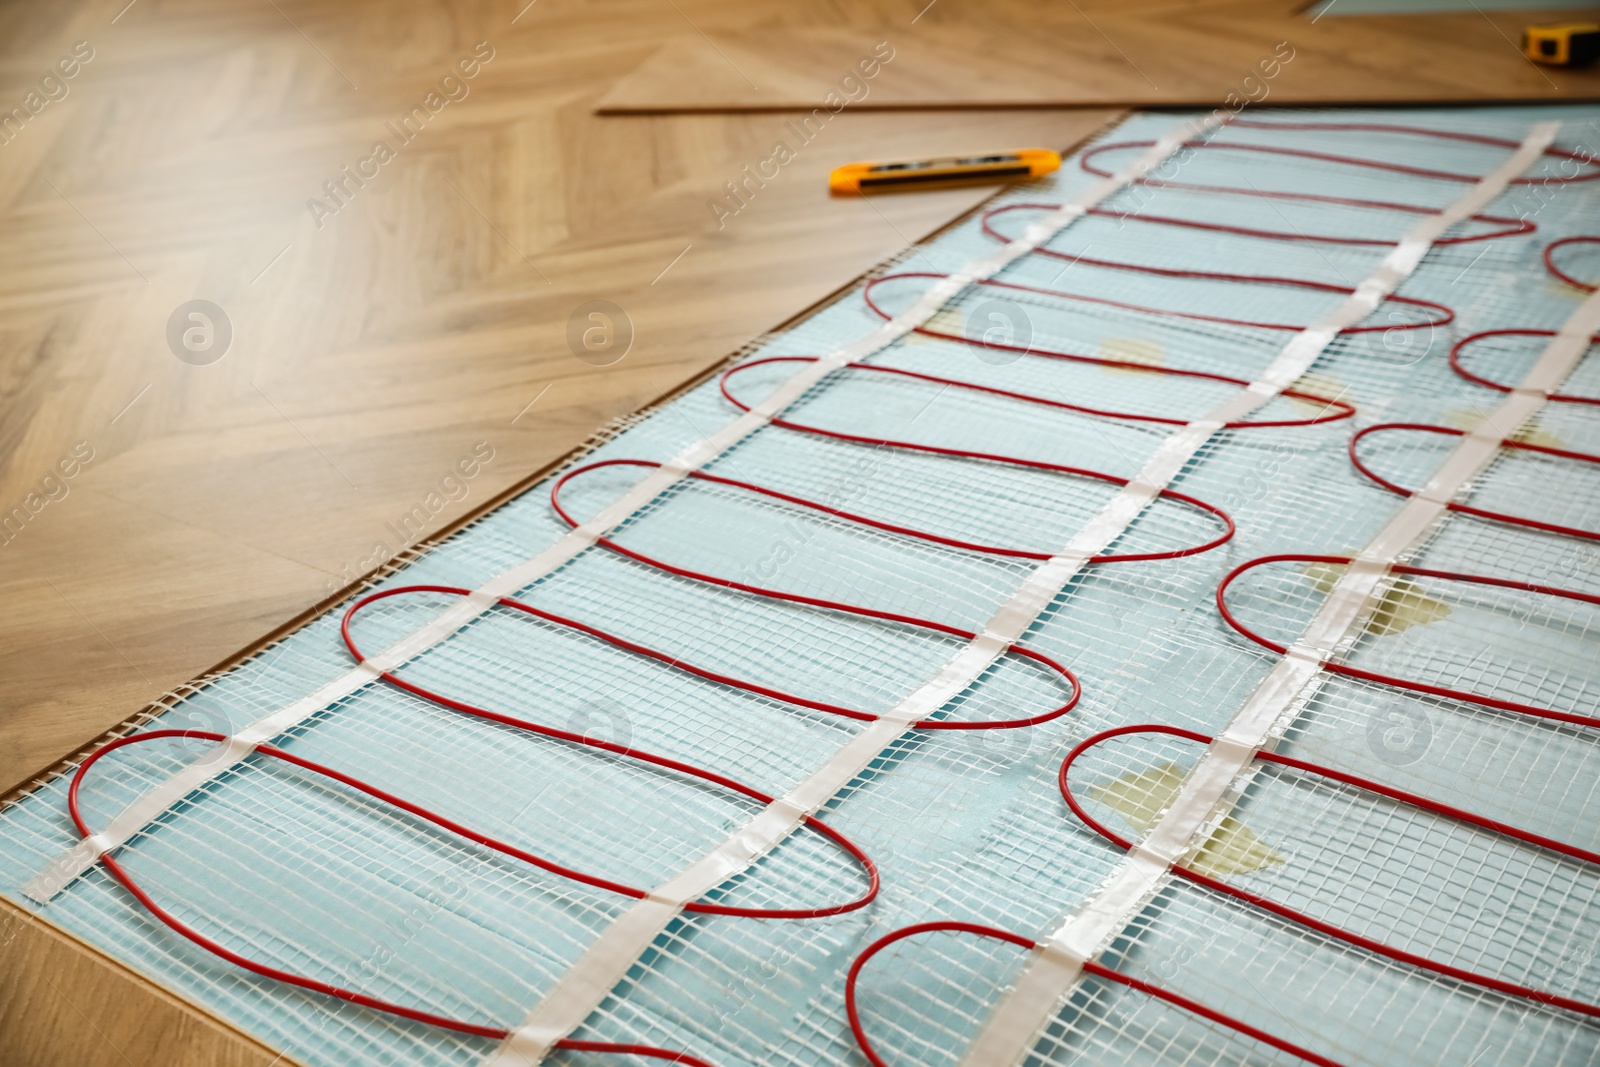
909,174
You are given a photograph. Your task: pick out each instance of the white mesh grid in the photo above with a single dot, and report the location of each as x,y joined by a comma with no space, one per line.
962,825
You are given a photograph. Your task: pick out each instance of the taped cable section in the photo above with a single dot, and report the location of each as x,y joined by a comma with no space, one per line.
1333,666
1059,964
1098,970
1516,447
639,755
1582,159
1440,315
216,948
607,961
1334,410
1116,517
1509,227
1550,262
1321,926
1222,517
676,663
1460,347
592,978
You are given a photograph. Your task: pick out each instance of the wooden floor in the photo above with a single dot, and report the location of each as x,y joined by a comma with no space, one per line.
62,1002
175,511
1094,53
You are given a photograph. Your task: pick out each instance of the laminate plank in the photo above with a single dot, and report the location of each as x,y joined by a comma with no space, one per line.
54,997
1156,54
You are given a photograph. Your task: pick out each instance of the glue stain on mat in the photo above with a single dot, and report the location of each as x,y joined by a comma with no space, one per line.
1321,386
948,321
1557,287
1529,434
1141,797
1130,350
1404,605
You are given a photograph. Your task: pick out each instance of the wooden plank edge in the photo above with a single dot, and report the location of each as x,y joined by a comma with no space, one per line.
1387,103
111,974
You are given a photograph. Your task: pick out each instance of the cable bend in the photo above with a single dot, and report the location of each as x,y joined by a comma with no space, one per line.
1464,508
1412,685
221,951
1098,970
1328,929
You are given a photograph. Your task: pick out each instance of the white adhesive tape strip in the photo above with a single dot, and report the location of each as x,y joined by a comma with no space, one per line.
1010,1032
1356,590
1083,939
559,1013
1200,793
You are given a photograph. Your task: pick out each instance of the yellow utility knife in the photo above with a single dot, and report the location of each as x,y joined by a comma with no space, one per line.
942,170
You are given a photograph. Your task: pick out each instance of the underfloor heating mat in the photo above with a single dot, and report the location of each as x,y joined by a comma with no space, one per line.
1155,621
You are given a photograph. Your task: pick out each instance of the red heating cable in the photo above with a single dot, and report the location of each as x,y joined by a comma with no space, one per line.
1511,227
923,535
1550,263
1326,928
1502,387
626,752
1466,509
1099,970
1333,409
181,928
678,664
1342,411
827,605
1406,683
1444,316
1582,159
1423,131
